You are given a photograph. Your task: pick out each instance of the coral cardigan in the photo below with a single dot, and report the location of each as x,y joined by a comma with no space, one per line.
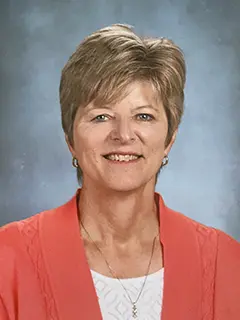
44,274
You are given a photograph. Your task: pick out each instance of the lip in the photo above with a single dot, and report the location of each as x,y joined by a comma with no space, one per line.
123,153
123,162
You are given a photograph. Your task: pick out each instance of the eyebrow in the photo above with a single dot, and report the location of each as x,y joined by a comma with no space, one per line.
136,108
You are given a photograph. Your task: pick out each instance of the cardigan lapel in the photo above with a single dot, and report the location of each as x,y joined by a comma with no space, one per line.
182,266
69,274
70,277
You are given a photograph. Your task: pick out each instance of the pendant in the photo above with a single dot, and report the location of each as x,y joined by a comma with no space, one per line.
134,311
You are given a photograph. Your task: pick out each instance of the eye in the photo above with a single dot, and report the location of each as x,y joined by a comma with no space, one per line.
145,116
100,118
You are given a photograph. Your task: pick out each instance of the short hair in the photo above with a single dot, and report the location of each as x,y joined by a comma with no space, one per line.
108,60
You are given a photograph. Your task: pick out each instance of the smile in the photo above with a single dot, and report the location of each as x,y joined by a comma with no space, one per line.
122,158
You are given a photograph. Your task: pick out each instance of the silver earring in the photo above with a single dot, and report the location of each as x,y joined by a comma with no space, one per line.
165,161
75,162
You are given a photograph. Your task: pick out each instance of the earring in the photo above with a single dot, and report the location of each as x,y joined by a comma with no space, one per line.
165,161
75,162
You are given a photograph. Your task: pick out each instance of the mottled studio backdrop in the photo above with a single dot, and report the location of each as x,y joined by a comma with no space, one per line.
202,179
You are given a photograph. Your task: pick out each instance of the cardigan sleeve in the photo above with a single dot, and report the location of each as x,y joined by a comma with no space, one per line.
227,281
3,311
19,279
8,271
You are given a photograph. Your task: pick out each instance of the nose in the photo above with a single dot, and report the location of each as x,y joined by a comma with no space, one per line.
123,131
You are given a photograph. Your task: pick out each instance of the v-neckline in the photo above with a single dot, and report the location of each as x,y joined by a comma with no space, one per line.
70,276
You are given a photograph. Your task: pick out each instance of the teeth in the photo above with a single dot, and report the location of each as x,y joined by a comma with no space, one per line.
127,158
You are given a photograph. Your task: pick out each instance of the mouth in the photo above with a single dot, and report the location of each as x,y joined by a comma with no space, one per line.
120,158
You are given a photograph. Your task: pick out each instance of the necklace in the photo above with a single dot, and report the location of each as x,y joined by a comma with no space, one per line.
134,303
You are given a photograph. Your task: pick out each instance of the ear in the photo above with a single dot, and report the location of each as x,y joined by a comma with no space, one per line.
70,147
169,147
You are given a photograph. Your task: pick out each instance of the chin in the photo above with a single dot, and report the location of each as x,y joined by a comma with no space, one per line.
124,185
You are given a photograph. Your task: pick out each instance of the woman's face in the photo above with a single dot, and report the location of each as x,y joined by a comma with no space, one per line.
137,126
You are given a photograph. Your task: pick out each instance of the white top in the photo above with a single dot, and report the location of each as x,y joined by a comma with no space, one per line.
115,304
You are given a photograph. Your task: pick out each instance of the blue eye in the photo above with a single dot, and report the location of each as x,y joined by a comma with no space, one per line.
145,117
142,116
100,118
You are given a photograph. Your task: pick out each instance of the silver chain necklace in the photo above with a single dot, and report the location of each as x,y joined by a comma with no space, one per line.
134,303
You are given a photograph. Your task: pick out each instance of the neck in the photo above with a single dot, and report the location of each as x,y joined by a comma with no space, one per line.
119,217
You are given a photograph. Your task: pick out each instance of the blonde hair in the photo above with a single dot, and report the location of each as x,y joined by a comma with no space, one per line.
108,60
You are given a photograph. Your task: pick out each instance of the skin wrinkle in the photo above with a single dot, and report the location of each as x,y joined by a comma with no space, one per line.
117,204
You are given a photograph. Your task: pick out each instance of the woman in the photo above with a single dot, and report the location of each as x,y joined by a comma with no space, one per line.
115,251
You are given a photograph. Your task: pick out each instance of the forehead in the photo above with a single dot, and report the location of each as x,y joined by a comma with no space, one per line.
136,95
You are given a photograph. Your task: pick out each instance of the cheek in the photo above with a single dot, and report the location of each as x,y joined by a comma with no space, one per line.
156,139
157,149
87,143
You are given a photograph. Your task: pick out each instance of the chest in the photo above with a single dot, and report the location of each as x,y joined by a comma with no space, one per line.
130,298
136,263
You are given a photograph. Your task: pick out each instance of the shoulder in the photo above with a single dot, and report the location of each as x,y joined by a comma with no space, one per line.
11,233
187,226
226,241
16,238
20,233
228,251
227,277
20,263
206,235
226,247
15,262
